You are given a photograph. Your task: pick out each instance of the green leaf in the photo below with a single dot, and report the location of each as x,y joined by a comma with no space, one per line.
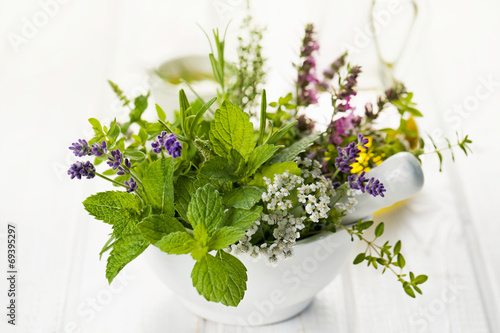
276,136
140,105
359,258
259,156
159,187
408,290
134,155
217,168
183,187
275,169
397,247
244,197
120,209
154,227
232,129
225,236
420,279
179,242
206,208
289,153
161,114
220,279
263,117
242,218
125,249
401,261
379,230
96,126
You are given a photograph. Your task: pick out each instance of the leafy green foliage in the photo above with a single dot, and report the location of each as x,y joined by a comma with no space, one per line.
231,129
120,209
244,197
154,227
387,256
178,242
220,279
292,151
159,187
275,169
206,208
225,236
463,144
242,218
259,156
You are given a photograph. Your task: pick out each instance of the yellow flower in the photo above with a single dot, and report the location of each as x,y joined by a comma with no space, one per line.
365,156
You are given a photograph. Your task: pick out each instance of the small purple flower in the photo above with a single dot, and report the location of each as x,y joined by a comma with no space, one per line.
363,141
347,156
116,159
99,149
307,79
80,148
168,142
80,170
132,185
372,186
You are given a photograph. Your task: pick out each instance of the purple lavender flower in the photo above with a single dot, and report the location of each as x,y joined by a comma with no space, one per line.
99,149
347,156
372,186
132,185
80,170
363,141
116,159
168,142
307,79
80,148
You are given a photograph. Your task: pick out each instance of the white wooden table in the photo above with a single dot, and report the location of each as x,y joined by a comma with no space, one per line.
56,80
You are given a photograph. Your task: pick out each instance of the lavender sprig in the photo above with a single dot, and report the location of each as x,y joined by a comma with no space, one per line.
131,185
350,154
80,148
99,149
168,142
371,186
80,169
116,161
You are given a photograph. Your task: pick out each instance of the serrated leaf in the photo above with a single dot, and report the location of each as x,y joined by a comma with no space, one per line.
231,129
289,153
206,208
179,242
154,227
183,188
116,208
225,170
359,259
242,218
275,169
259,156
244,197
220,279
225,236
379,230
159,187
125,249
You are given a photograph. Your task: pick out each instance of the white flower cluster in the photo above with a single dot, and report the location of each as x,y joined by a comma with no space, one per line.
312,191
349,206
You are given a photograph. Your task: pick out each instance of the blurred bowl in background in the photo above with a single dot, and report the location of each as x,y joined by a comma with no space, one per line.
167,80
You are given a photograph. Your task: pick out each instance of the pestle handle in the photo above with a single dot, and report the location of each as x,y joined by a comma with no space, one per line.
402,177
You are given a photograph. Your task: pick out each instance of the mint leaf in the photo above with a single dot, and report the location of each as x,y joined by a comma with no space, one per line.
236,163
244,197
242,218
220,279
120,209
125,249
292,151
183,187
179,242
206,208
223,237
154,227
231,129
159,187
259,156
275,169
237,284
217,168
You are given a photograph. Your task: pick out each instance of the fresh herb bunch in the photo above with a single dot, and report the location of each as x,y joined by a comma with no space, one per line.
213,186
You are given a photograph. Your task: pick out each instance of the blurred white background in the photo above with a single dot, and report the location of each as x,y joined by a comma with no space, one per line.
55,58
